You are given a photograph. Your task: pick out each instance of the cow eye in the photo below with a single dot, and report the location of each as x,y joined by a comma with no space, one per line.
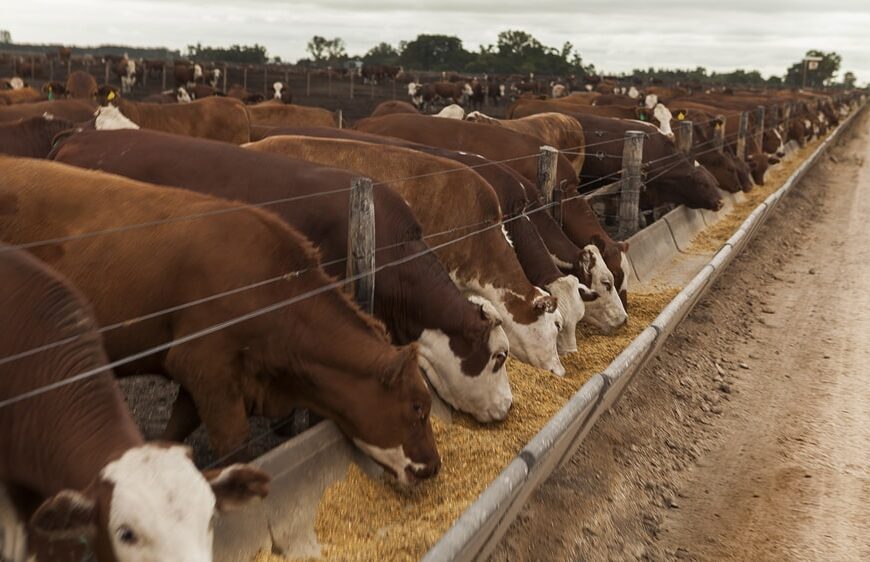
126,535
418,410
607,286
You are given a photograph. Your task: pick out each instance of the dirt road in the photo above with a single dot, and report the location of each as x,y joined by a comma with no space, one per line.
748,438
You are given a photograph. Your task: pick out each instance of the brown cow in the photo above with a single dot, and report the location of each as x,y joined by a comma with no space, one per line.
266,365
281,115
31,138
394,106
461,342
76,450
21,95
424,95
216,118
75,111
81,85
484,264
553,129
247,97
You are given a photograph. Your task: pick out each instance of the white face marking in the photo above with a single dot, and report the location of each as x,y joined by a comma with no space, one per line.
535,343
110,118
452,111
625,269
501,90
393,458
561,264
588,87
663,116
16,83
161,497
651,101
197,71
13,531
412,88
506,237
697,164
182,96
486,396
277,87
633,93
567,290
606,312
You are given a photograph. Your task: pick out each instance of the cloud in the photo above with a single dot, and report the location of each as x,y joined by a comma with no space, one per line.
616,36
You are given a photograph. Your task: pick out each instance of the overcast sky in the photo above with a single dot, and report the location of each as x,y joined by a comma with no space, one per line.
615,35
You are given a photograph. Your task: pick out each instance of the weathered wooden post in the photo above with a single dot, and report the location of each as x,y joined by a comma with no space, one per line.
685,137
759,121
69,66
340,119
265,80
742,131
163,78
225,77
106,76
50,70
547,162
286,78
372,84
32,67
719,134
394,88
245,78
629,199
361,243
351,84
329,81
558,195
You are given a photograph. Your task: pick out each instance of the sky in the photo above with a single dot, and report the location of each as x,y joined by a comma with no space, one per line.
615,35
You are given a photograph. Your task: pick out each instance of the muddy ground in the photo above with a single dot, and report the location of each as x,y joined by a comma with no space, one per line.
748,437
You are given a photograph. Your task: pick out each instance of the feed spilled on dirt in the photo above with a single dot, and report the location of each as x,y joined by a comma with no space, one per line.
361,518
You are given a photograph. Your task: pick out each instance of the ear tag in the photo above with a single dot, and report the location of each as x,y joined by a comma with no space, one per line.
681,116
111,96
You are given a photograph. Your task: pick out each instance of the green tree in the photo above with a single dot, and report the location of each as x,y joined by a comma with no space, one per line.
817,77
382,53
255,54
849,79
434,52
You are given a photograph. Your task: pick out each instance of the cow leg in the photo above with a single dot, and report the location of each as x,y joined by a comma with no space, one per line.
184,419
210,379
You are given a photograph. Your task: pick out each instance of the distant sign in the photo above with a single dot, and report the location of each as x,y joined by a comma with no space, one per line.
813,65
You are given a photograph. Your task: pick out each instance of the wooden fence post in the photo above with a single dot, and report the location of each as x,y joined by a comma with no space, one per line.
394,88
629,200
329,81
106,77
225,77
684,137
69,66
32,67
351,84
307,83
50,70
372,84
163,78
719,134
245,78
547,162
742,131
759,121
361,243
265,80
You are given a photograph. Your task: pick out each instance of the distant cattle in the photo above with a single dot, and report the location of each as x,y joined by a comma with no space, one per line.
394,106
377,73
81,85
424,95
75,470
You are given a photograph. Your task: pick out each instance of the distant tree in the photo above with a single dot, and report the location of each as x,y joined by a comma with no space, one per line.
382,53
849,79
276,59
254,54
823,74
5,36
434,52
325,50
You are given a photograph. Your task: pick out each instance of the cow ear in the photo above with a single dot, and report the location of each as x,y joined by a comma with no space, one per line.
489,314
66,515
237,485
394,372
546,303
623,246
587,294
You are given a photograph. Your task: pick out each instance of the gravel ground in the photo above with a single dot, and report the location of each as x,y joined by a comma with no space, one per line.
748,437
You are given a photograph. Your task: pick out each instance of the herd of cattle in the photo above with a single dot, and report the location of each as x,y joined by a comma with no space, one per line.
206,242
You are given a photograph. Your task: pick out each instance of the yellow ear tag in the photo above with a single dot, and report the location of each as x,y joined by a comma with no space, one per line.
717,126
681,116
111,96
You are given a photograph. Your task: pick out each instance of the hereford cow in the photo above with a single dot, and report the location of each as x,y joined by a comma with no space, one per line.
425,95
658,114
126,71
21,95
461,342
273,361
81,85
484,264
178,95
247,97
215,118
281,115
282,92
187,74
75,111
76,450
31,138
393,106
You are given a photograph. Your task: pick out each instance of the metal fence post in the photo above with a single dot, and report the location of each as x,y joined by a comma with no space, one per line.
106,77
32,68
685,137
547,165
742,130
372,84
245,78
759,133
69,66
719,134
163,78
265,80
225,77
361,243
329,81
629,200
351,85
50,70
308,83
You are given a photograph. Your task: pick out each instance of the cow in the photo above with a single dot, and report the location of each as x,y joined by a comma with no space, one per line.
477,96
215,118
178,95
21,95
75,111
281,115
153,68
199,91
558,91
732,174
13,83
553,129
75,452
484,264
268,357
126,71
376,73
31,138
247,97
212,77
393,106
659,113
425,95
282,92
461,341
81,85
187,74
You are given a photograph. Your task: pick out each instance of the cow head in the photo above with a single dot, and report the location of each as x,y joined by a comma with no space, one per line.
772,142
604,307
686,183
758,163
182,95
724,168
390,422
468,369
533,325
150,504
663,115
110,118
54,90
107,94
568,291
